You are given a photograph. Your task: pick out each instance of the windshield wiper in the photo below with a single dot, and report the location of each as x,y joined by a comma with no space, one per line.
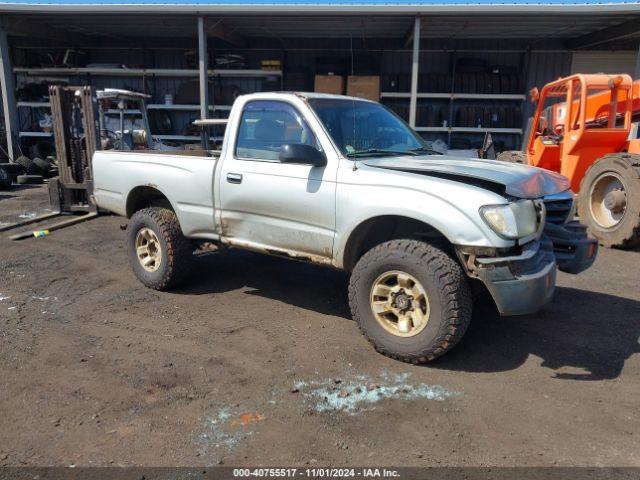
425,150
378,151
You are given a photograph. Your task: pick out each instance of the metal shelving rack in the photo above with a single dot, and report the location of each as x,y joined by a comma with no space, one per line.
140,72
137,72
413,96
461,96
457,96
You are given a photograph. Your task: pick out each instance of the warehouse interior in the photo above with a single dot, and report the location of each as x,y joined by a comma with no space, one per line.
452,76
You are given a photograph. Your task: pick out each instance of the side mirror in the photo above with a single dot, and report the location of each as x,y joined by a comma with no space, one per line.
302,154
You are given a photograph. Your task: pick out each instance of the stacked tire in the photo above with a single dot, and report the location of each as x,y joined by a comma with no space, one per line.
35,170
5,179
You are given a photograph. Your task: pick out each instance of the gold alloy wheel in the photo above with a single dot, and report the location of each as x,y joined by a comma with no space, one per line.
608,200
399,303
148,249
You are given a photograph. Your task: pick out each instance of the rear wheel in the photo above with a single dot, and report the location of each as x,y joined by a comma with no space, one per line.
158,252
410,299
609,200
512,156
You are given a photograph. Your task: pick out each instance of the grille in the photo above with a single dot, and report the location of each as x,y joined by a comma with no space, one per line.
558,210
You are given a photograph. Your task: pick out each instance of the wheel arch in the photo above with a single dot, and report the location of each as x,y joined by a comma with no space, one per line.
379,229
144,196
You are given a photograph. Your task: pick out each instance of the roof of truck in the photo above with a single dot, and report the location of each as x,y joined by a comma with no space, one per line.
306,95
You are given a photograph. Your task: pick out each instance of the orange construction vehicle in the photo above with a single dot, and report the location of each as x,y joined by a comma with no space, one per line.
585,127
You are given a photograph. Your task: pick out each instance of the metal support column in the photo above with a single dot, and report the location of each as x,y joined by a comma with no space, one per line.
8,94
413,101
637,70
203,66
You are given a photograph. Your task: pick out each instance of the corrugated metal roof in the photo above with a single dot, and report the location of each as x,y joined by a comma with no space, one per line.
323,6
328,25
335,3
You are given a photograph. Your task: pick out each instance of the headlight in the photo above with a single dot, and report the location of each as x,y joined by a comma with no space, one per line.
515,220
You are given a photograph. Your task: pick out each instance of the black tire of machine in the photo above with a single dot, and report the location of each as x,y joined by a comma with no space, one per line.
30,180
42,166
161,122
5,179
176,250
626,166
448,292
28,165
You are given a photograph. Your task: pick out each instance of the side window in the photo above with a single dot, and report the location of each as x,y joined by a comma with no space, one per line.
265,126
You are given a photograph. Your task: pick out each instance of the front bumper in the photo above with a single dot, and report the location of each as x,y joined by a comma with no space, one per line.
573,249
519,284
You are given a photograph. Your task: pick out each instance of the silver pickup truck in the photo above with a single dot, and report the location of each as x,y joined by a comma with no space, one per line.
344,182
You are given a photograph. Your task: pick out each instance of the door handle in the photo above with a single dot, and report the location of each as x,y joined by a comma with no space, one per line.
234,177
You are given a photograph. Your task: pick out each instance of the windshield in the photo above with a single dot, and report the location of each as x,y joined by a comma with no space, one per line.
361,128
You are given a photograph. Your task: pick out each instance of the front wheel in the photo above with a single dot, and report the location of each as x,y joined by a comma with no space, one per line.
609,200
410,300
159,254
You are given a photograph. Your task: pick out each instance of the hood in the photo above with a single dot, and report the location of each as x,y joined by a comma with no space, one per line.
512,179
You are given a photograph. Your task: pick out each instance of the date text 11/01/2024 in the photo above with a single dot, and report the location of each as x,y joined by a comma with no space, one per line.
315,472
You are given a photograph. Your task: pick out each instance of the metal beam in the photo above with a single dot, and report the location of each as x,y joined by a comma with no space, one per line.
609,34
203,69
413,100
36,29
490,8
223,32
8,93
408,37
636,75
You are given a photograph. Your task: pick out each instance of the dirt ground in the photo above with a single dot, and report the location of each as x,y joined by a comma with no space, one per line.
257,362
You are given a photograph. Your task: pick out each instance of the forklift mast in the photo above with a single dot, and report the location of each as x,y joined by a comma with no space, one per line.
75,128
78,125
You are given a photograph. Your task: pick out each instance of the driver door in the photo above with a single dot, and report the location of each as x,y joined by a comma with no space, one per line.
268,204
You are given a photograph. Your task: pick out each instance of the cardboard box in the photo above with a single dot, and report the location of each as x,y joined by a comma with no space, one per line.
364,87
329,84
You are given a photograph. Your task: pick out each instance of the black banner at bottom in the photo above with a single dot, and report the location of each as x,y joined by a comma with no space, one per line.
281,473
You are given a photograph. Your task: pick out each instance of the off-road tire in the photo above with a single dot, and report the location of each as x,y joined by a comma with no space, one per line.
13,169
43,166
28,165
626,234
29,179
448,292
176,250
5,179
512,156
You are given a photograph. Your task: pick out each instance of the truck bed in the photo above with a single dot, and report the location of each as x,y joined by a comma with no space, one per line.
184,178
